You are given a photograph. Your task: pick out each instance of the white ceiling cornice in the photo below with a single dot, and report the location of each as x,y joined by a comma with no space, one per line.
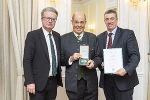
79,3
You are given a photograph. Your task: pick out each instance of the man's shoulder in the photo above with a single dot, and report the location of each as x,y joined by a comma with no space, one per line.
123,30
34,32
56,33
67,35
90,34
101,34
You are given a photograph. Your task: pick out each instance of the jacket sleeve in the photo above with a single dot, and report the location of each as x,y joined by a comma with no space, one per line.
28,59
133,53
100,51
64,56
97,58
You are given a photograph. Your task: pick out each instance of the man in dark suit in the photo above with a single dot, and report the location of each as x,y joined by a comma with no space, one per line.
119,85
80,81
41,60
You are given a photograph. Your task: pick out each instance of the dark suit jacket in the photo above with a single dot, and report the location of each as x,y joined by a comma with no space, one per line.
36,59
69,46
126,40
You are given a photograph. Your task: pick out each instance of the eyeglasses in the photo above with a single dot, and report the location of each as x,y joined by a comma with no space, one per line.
81,22
50,19
111,19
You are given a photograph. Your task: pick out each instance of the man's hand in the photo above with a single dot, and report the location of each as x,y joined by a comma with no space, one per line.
31,88
121,72
102,65
91,64
75,56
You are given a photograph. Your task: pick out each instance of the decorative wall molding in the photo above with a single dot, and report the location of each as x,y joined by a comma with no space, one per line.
135,18
111,4
138,95
82,3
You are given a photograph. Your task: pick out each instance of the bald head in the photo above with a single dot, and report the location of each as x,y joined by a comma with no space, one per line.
78,14
78,22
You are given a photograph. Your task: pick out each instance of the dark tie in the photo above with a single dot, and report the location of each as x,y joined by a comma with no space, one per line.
109,41
78,37
54,71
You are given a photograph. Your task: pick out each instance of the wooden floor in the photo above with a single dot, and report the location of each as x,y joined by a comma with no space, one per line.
61,94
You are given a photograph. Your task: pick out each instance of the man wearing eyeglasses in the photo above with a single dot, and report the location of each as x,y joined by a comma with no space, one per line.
41,60
120,84
80,80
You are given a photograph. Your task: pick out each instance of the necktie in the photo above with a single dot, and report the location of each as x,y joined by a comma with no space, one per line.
78,37
109,41
54,71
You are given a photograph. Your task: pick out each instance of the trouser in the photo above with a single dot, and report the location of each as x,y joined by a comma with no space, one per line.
49,93
113,93
82,93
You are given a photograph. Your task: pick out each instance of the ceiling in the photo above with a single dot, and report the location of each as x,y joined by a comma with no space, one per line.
79,1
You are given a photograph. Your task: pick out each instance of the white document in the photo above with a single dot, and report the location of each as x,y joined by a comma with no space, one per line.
84,51
112,60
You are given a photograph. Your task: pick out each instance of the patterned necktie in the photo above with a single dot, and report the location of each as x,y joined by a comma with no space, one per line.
78,37
54,71
109,41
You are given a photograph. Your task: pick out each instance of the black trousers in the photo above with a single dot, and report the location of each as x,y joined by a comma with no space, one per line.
112,92
82,93
49,93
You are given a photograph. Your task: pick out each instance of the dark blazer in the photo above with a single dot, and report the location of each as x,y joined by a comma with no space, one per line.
36,59
69,46
126,40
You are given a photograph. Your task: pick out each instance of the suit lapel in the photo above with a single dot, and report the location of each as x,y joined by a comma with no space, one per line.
85,38
73,36
105,39
117,35
44,44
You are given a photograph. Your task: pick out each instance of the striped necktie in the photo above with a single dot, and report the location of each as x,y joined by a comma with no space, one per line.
54,71
109,41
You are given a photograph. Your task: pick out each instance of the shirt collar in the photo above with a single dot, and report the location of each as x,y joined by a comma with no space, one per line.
78,35
46,32
113,32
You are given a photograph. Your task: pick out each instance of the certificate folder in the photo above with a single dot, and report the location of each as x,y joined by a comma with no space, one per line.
113,60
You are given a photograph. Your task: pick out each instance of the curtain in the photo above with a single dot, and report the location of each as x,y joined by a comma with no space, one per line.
4,61
149,48
18,17
63,24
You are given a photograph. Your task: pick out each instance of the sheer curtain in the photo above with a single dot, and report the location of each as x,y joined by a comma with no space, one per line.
18,17
63,7
149,48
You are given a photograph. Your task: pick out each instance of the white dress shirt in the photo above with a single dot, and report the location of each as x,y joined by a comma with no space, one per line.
49,48
113,36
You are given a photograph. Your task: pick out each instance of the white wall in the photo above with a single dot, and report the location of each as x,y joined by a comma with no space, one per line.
136,18
63,24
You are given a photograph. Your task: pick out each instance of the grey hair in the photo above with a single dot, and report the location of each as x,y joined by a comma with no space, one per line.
111,11
50,9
